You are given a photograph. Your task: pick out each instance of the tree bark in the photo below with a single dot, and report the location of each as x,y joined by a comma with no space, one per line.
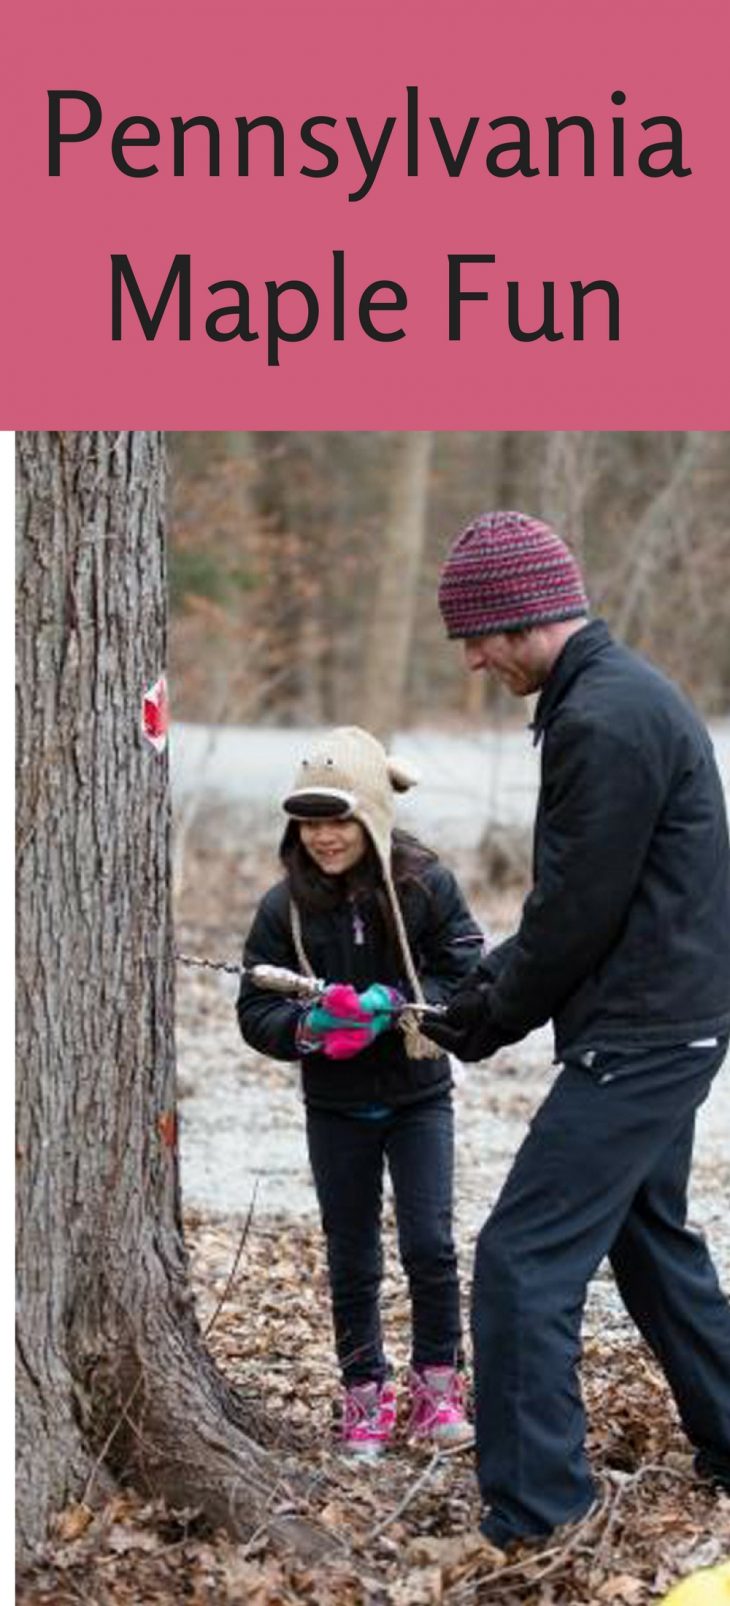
113,1377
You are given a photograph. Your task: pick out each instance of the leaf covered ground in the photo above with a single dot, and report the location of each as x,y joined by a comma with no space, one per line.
404,1532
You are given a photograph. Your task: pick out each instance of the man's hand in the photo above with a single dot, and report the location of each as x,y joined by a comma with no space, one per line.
468,1029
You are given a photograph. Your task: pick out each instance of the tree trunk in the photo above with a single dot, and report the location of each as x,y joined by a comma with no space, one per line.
394,604
653,532
569,466
111,1368
290,597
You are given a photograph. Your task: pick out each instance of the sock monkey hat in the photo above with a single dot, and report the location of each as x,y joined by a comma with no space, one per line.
347,774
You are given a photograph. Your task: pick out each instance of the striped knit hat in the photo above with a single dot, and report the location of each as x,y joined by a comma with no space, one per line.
507,571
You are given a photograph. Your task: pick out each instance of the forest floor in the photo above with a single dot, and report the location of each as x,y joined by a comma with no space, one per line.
404,1532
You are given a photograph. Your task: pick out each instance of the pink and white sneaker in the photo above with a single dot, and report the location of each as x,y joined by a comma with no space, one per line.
369,1418
438,1408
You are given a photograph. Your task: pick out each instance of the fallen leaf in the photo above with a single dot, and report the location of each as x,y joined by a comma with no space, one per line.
422,1587
451,1553
622,1587
72,1522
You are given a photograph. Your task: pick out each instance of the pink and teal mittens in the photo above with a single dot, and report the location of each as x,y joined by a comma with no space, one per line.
342,1021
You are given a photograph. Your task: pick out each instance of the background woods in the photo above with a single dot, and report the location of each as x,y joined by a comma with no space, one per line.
303,566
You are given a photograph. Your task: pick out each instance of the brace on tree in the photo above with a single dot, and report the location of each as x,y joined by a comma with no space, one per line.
277,979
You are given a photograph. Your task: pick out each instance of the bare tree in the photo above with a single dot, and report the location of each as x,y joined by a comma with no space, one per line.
112,1372
289,594
653,534
393,606
570,457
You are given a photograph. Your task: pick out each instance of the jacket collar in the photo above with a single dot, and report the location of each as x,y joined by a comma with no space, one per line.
577,652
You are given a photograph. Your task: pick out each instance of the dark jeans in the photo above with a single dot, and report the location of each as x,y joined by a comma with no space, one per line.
603,1171
348,1155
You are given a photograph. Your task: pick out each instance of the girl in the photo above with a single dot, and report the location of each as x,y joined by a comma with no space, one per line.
379,918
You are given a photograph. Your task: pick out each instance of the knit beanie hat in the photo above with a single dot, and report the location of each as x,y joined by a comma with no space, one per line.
347,774
507,571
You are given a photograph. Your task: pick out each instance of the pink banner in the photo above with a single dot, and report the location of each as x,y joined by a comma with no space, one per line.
366,216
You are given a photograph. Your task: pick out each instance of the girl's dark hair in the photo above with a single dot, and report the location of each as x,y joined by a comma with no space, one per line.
314,892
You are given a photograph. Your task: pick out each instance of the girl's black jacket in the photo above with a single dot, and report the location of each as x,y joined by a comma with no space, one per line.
350,944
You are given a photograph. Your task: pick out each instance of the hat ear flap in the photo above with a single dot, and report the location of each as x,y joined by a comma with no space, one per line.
402,776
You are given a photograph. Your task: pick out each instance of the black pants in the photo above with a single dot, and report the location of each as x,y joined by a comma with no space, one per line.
348,1155
603,1171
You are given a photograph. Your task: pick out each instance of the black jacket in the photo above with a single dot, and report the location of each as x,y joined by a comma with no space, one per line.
625,937
342,948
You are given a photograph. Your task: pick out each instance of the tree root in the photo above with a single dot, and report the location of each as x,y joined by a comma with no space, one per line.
174,1427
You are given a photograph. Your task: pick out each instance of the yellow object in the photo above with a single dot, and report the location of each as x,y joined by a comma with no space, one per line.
710,1587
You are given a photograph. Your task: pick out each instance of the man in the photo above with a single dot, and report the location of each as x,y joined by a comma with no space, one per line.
624,942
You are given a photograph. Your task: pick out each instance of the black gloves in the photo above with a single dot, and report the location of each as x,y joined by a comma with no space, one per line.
468,1029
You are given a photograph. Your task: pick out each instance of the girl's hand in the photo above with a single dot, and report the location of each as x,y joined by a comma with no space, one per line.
342,1021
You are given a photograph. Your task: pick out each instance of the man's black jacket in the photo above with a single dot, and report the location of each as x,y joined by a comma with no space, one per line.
625,937
350,945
